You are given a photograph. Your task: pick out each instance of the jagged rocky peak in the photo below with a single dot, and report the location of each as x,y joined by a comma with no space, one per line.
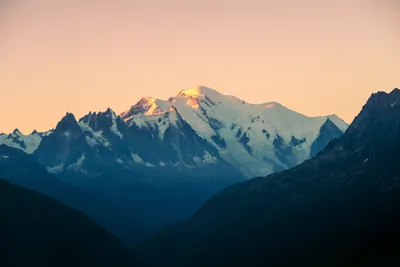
68,123
383,98
109,113
395,91
379,105
16,132
88,117
69,117
102,122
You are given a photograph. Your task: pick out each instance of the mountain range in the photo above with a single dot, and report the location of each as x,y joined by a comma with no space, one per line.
161,159
339,208
197,129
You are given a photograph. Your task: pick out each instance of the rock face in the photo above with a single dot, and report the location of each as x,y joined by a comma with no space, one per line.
173,155
337,209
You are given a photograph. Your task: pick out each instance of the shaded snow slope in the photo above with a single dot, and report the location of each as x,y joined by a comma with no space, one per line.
257,139
246,135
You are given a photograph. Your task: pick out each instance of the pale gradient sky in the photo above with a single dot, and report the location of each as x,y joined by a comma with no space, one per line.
314,56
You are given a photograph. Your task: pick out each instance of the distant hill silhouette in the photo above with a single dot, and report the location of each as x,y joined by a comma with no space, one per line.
38,231
22,169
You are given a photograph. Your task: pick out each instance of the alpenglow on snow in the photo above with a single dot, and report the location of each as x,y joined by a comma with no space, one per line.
194,129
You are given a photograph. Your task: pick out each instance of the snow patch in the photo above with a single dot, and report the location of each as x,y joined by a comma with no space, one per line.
47,133
94,138
56,169
198,161
91,141
208,158
160,122
14,140
114,127
77,166
137,159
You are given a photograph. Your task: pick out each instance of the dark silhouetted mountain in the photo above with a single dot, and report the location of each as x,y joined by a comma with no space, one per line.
337,209
38,231
23,170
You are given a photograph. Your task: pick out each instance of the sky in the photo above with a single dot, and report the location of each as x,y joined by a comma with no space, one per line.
314,56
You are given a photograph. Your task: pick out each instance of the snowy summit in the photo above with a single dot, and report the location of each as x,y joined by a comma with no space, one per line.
195,128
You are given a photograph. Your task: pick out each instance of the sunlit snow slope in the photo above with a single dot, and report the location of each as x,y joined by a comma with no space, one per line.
259,139
196,128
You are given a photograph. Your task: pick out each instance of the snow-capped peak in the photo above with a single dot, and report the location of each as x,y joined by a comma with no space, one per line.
199,91
150,106
341,124
259,138
27,143
146,106
16,133
203,92
244,132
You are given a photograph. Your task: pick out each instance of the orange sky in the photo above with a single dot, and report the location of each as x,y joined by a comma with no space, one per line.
314,56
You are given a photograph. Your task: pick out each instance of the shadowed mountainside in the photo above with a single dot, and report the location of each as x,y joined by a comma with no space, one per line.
38,231
339,208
